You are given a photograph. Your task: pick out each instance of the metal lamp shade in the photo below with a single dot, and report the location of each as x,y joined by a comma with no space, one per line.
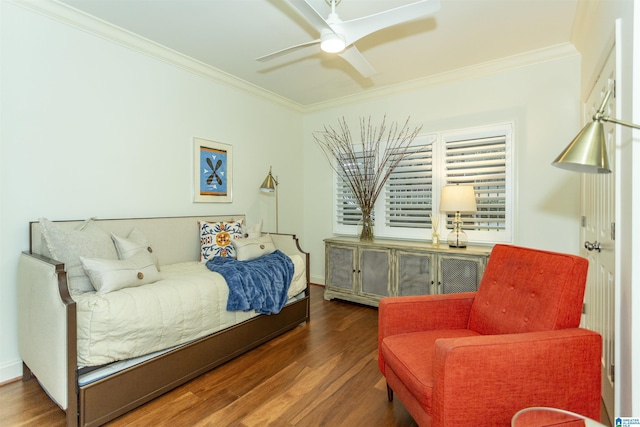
587,152
269,184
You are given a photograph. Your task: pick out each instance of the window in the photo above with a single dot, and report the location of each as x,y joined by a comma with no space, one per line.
347,209
408,194
481,158
477,156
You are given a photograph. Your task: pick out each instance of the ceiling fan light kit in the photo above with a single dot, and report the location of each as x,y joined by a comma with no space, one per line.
332,43
337,36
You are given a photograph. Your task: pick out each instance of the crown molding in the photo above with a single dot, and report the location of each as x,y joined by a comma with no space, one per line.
75,18
538,56
70,16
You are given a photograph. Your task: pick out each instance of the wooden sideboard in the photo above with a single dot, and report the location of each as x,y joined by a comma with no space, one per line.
364,272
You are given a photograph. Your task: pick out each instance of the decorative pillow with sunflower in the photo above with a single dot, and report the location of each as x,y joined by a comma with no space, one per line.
216,238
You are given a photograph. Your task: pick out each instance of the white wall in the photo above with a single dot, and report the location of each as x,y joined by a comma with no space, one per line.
594,36
91,128
542,101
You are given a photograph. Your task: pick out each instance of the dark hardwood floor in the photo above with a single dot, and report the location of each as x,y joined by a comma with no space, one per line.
323,373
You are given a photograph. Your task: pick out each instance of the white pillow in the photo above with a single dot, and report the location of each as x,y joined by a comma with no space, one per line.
132,244
247,249
110,275
254,230
67,245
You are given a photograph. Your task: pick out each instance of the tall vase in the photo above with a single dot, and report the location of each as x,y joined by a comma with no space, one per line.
366,226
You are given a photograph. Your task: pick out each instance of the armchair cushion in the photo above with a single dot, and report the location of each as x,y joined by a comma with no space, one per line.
400,315
411,356
526,290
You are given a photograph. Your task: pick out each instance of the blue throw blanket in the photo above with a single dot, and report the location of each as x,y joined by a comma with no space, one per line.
259,284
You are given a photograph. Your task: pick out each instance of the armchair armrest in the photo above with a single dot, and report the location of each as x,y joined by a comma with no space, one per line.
399,315
505,373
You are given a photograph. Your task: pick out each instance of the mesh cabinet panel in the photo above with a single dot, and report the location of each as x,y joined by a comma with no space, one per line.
341,272
414,274
374,267
458,275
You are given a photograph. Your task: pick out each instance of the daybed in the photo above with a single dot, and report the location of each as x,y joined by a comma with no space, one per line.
76,358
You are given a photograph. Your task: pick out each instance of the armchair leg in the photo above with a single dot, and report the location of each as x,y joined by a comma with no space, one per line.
389,393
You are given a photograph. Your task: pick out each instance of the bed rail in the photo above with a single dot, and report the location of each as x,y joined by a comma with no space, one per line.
47,329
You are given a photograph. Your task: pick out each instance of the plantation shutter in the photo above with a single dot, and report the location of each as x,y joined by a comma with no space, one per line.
347,208
481,162
348,212
409,189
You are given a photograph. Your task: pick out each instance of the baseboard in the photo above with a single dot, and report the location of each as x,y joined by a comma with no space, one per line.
10,371
316,280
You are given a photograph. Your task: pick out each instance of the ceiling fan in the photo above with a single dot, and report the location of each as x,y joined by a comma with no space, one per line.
337,36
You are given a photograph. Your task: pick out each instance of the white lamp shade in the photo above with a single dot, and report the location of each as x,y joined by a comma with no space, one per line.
458,198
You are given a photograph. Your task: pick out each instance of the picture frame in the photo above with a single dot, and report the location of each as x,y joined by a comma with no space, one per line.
212,166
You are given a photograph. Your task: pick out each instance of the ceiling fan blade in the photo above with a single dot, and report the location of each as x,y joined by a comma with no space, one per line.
353,56
356,29
310,14
275,54
313,17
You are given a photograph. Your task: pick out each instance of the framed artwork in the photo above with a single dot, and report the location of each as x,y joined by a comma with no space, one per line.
212,165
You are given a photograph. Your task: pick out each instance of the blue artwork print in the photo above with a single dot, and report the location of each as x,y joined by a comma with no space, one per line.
213,172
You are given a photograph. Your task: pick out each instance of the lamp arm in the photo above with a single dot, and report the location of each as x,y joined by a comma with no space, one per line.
599,115
620,122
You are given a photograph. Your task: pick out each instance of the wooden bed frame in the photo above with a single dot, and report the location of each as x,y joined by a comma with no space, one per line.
101,401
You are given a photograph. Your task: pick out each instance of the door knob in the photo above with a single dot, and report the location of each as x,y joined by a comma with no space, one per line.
592,246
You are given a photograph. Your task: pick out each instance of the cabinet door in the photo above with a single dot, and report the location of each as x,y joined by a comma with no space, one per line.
414,273
341,267
459,274
375,271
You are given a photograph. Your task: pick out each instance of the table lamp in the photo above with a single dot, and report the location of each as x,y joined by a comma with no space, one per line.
458,198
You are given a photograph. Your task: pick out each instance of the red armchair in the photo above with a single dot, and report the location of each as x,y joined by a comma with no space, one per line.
475,359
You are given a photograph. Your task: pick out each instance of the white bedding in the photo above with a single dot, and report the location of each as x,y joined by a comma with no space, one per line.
189,302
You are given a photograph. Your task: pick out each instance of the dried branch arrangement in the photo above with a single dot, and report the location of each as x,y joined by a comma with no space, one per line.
365,166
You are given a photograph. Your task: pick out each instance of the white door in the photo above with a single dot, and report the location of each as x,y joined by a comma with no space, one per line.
598,236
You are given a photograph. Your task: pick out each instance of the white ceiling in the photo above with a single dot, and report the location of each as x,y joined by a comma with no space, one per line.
230,34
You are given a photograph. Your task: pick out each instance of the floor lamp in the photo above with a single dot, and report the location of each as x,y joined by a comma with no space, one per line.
270,185
588,150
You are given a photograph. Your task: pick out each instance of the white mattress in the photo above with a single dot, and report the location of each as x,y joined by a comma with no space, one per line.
189,302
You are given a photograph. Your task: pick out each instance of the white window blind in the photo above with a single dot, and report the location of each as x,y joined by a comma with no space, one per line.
483,162
409,189
347,209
